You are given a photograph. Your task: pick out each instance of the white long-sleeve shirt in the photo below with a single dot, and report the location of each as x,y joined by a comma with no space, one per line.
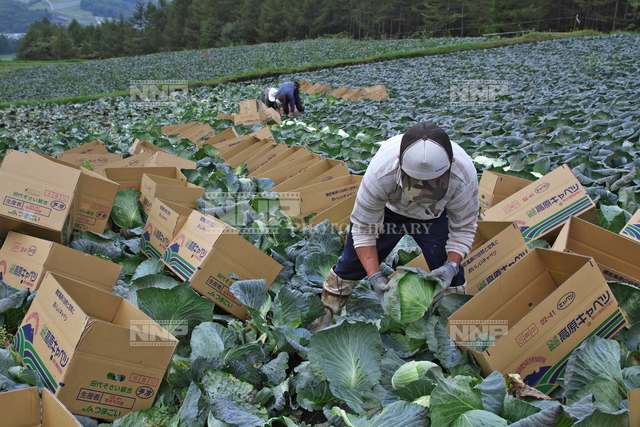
381,186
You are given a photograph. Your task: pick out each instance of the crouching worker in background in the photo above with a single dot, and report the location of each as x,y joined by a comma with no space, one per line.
421,184
269,99
289,96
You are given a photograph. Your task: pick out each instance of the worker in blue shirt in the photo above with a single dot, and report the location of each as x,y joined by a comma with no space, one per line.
289,96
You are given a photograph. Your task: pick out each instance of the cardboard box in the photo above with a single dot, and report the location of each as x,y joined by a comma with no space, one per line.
338,93
616,256
95,147
291,153
254,149
99,354
209,253
254,111
165,159
497,246
281,173
315,198
224,116
543,206
495,187
164,220
377,92
137,160
322,171
634,408
24,261
265,156
34,203
338,214
196,133
92,159
225,135
140,146
22,408
176,129
172,190
132,177
632,228
232,147
539,311
96,198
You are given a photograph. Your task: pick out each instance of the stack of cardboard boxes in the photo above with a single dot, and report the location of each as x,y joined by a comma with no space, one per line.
97,354
252,111
533,308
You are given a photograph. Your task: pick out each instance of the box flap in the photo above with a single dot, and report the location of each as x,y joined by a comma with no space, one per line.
96,146
39,168
54,414
162,158
20,408
228,133
616,255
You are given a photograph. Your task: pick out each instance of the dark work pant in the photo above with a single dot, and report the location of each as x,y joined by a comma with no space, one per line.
431,236
297,101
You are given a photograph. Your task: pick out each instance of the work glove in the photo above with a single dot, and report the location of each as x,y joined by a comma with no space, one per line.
445,273
380,284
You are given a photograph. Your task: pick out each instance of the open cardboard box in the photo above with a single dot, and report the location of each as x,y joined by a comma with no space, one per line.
291,153
539,311
315,198
225,135
617,256
96,147
494,187
338,214
161,158
24,261
137,160
286,170
172,190
322,171
256,148
132,177
265,156
95,160
101,356
542,207
164,221
34,203
209,253
23,408
96,198
497,246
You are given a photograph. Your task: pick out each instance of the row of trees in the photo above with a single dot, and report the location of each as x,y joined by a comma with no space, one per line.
192,24
7,45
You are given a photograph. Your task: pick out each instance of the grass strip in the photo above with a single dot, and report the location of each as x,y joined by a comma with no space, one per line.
275,72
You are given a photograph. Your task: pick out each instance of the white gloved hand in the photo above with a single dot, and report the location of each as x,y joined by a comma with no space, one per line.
380,284
446,273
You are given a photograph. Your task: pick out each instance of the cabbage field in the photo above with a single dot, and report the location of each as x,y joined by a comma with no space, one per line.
571,101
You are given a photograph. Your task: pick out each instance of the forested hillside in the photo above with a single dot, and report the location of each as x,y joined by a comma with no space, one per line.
193,24
15,17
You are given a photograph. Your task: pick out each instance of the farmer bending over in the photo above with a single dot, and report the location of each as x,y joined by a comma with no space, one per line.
420,184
